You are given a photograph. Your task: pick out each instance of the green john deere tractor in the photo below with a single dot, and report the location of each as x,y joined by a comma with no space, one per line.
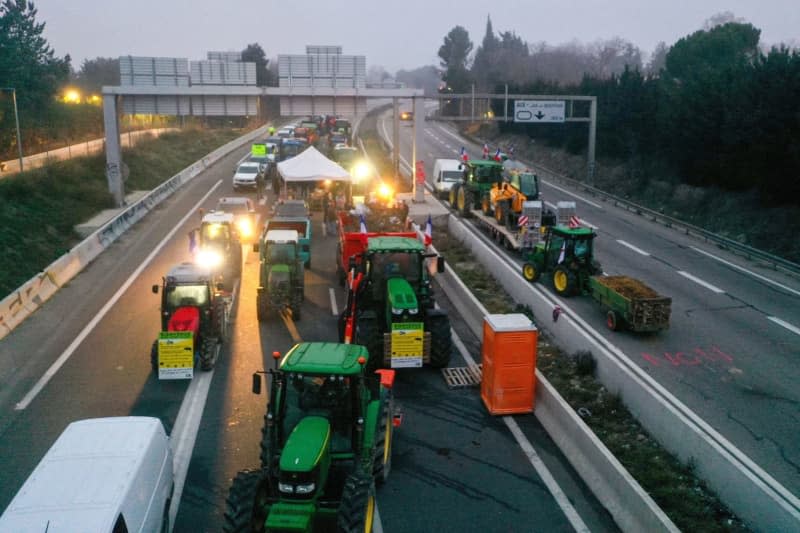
479,177
326,442
281,282
566,253
391,309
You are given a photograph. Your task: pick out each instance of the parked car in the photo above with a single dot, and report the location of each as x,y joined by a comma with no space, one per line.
246,174
288,131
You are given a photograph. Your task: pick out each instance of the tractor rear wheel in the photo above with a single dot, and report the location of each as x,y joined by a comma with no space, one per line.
452,196
367,334
382,463
262,307
441,339
246,505
530,272
564,281
266,448
612,320
486,205
219,321
357,510
208,353
154,356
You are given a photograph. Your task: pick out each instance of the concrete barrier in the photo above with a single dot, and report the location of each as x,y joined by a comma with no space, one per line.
18,305
746,488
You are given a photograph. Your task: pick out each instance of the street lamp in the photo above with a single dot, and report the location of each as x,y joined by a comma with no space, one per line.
16,118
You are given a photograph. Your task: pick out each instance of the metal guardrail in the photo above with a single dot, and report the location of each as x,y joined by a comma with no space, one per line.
777,263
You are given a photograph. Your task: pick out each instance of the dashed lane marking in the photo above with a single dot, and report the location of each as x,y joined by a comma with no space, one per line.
742,269
699,281
790,327
632,247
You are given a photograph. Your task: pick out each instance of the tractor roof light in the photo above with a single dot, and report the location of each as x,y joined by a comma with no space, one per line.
385,191
361,171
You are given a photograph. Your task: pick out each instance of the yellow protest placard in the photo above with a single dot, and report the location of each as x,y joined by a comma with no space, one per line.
407,345
175,355
258,149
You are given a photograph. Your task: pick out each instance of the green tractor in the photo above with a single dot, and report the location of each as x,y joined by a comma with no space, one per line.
567,254
391,309
479,177
326,443
281,275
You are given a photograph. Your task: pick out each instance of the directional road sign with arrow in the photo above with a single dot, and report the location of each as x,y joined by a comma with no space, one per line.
539,111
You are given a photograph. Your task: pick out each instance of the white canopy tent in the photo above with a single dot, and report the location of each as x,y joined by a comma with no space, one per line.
311,165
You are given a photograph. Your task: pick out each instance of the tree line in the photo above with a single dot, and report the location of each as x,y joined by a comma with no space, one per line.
714,109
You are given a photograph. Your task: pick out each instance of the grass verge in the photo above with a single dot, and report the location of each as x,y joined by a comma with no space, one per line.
39,209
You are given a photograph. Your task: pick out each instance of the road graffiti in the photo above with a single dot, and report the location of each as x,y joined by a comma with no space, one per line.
693,357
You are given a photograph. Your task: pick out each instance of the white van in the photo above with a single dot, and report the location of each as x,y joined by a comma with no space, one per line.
446,172
101,475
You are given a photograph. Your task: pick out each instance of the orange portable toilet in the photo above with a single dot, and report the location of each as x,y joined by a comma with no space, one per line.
509,363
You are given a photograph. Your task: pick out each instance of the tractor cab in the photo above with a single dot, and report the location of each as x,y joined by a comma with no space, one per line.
568,254
219,248
186,286
395,273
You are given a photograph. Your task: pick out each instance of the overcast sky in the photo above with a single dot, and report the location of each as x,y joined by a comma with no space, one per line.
404,34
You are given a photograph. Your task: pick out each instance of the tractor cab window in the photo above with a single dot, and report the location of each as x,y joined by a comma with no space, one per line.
281,254
185,295
216,233
396,265
583,249
330,396
528,185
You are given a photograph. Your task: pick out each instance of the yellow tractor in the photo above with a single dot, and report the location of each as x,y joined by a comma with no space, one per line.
505,199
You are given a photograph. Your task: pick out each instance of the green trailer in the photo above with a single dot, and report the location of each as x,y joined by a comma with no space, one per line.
630,304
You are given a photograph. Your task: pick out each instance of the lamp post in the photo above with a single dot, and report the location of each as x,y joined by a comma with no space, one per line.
16,119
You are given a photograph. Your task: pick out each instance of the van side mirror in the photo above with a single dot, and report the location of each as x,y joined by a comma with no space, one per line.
155,289
440,264
256,383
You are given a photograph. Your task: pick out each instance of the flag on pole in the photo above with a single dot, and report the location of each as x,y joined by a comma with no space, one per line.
497,155
485,151
363,224
574,222
429,232
563,252
464,156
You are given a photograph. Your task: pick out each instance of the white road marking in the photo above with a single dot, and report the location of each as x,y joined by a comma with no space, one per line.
585,222
790,327
527,448
579,197
64,357
742,269
699,281
632,247
551,205
334,308
187,424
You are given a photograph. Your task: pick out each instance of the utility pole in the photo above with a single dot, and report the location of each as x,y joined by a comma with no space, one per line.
16,119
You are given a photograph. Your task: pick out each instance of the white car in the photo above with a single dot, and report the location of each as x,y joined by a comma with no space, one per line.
288,131
102,474
446,172
245,175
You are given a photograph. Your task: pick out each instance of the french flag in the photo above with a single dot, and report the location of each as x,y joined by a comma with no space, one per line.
497,155
429,232
363,224
464,156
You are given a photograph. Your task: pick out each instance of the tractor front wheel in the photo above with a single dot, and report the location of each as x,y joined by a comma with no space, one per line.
441,339
564,281
208,353
452,196
357,510
154,356
246,507
530,272
262,307
382,463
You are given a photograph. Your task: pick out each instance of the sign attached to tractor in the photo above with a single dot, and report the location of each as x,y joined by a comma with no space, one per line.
407,344
539,111
175,355
258,149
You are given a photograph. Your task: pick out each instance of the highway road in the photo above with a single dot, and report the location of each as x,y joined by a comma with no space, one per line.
455,468
731,351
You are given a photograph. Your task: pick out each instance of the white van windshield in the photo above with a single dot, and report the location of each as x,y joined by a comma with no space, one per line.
452,175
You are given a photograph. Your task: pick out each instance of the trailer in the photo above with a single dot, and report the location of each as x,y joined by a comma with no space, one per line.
388,222
630,304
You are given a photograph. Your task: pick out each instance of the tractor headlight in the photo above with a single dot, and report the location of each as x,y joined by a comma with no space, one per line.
413,311
288,488
245,227
306,488
209,258
396,311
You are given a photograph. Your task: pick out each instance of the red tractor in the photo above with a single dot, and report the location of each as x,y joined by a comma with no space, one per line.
191,303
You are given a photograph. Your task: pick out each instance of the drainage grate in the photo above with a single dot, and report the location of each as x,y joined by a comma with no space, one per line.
462,376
